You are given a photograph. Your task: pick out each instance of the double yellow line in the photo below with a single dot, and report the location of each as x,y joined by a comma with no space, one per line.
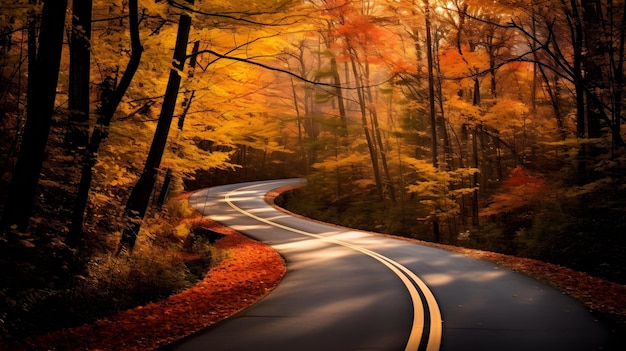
417,338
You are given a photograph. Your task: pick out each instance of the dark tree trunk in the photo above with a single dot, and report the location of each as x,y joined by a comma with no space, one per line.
371,144
431,101
431,88
340,102
594,80
137,203
41,95
619,83
188,101
165,188
378,135
111,98
78,130
475,183
577,40
305,159
476,95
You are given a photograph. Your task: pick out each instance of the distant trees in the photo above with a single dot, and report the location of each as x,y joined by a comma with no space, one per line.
580,45
496,94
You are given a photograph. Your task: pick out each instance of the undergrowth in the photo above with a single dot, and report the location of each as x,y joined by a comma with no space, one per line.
46,291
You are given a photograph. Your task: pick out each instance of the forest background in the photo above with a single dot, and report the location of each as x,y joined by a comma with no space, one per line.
490,125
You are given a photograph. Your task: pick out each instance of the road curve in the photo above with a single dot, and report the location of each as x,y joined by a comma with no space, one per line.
349,290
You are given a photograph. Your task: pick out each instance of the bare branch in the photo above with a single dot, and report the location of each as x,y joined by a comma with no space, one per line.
241,16
276,69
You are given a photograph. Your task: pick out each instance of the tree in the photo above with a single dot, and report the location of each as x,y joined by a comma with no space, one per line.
363,44
44,68
79,80
431,102
137,203
111,99
440,191
575,59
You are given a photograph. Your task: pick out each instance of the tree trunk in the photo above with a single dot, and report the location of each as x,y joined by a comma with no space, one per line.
476,95
42,93
475,177
188,101
79,80
438,96
577,46
431,102
366,128
111,98
431,86
465,160
305,158
165,188
378,135
593,75
137,203
619,82
339,92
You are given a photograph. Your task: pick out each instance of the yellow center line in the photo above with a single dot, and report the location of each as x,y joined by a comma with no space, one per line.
409,279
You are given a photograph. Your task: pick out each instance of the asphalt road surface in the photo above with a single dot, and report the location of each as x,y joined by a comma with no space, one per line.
349,290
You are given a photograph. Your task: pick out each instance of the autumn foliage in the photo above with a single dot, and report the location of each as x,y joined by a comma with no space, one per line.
517,191
496,125
249,273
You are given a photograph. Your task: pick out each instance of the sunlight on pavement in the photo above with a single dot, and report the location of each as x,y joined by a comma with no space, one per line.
437,279
485,276
246,198
220,218
250,227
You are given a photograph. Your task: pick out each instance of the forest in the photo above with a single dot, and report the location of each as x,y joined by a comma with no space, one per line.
494,125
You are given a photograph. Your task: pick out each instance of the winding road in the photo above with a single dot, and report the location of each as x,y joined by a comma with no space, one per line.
349,290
